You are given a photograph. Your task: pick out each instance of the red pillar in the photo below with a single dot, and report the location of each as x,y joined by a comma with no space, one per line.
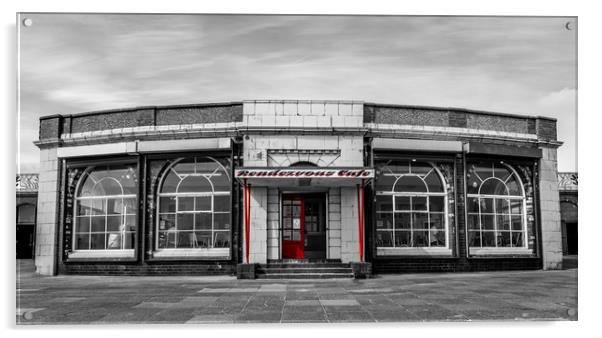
360,218
247,218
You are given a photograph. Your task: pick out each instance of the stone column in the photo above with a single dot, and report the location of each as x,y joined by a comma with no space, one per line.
273,225
259,218
550,210
349,226
334,223
46,226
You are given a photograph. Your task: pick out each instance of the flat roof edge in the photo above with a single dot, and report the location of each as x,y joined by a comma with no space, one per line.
454,109
302,101
233,103
131,109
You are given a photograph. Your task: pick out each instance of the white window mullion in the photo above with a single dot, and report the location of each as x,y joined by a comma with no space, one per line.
495,229
411,223
428,219
394,244
480,224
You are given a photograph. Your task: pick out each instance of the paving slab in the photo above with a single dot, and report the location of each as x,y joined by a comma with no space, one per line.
350,316
258,317
487,296
304,317
303,302
211,319
303,308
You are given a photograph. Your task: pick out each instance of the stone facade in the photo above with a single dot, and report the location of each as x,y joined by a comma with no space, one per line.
259,225
268,150
550,210
48,208
349,225
320,134
334,224
273,224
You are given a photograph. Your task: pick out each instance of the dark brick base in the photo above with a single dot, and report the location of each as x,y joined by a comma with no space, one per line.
382,266
246,271
379,266
148,269
361,270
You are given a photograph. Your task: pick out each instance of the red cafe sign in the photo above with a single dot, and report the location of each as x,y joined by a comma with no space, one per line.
305,173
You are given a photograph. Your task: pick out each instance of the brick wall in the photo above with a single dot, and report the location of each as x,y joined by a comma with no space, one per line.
51,127
384,266
448,117
546,129
171,268
199,114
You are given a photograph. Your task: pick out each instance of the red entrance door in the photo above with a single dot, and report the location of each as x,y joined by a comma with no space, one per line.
293,227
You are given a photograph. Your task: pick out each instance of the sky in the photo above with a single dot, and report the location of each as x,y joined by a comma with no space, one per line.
72,63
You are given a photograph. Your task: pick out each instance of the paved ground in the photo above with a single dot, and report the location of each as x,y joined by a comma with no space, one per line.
529,295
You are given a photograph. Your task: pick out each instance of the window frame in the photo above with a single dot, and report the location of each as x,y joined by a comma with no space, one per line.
76,253
497,250
159,252
429,250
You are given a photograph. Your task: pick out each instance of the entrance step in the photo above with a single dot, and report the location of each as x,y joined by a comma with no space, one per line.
304,270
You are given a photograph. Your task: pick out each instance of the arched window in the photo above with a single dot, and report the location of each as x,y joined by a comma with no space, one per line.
194,205
411,201
105,209
26,214
495,206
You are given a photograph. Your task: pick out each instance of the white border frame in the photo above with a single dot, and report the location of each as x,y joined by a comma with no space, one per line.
418,251
501,251
101,253
187,252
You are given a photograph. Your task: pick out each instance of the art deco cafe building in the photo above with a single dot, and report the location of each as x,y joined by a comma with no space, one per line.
251,186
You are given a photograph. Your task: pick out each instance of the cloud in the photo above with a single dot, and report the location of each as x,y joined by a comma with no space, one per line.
563,99
561,104
73,63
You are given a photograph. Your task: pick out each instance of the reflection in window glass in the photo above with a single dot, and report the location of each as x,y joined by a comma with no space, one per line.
384,220
384,238
194,205
410,183
494,206
384,203
410,206
402,203
105,209
403,220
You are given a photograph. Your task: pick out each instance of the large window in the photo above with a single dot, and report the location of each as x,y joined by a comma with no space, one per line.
105,209
411,201
495,206
194,205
